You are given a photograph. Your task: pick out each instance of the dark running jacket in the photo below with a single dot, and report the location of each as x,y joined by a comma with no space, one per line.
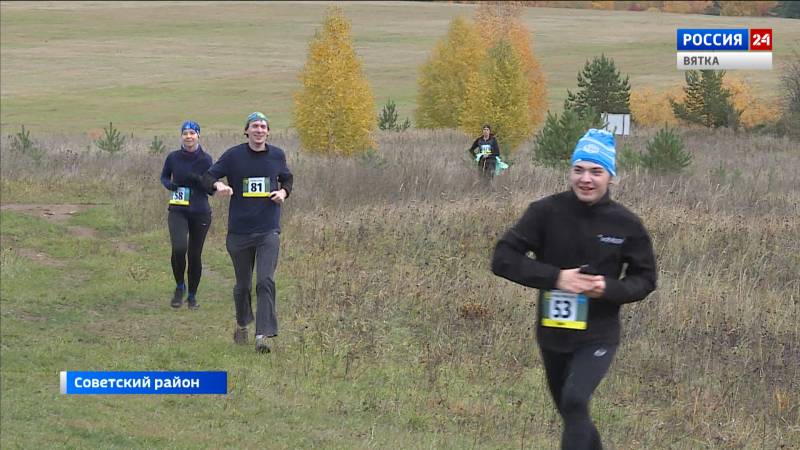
182,169
481,143
563,233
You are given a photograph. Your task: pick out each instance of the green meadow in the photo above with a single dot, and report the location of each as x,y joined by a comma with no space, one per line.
146,66
394,334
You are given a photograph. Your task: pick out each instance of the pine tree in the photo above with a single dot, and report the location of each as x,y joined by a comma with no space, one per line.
707,102
334,110
497,95
556,140
789,9
443,78
601,87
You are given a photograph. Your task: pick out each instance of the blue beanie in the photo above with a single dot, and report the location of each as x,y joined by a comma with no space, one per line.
597,146
190,125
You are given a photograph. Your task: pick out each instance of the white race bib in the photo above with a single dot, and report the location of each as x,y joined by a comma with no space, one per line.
564,310
255,187
180,196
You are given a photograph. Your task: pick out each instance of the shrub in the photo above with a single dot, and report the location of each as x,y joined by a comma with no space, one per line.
649,108
387,120
157,146
665,152
556,141
112,140
21,142
628,158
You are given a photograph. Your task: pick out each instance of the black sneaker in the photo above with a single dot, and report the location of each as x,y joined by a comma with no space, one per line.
177,299
240,335
191,302
261,344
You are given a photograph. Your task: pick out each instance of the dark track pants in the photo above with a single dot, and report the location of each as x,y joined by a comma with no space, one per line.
572,378
187,233
259,250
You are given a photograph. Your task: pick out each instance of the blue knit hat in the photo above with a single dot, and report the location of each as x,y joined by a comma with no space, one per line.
190,125
597,146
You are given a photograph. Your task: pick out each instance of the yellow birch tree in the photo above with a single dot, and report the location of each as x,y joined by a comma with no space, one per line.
497,95
501,21
334,111
443,78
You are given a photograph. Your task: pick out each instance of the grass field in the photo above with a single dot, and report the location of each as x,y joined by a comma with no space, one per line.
148,66
394,333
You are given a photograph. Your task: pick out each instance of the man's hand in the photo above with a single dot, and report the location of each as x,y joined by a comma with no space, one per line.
571,280
278,196
222,189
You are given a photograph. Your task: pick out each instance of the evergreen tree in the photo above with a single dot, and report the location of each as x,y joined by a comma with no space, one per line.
601,87
790,9
707,102
497,94
443,78
666,152
334,110
556,141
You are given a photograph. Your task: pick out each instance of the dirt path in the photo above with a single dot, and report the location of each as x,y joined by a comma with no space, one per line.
59,214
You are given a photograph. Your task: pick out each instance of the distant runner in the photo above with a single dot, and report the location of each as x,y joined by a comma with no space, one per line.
189,216
581,240
259,181
485,151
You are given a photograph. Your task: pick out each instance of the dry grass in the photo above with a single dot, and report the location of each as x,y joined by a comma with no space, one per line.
388,258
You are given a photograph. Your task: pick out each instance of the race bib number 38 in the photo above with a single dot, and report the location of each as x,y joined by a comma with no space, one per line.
180,196
255,187
564,310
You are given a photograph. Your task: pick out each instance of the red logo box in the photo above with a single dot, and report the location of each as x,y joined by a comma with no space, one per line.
761,39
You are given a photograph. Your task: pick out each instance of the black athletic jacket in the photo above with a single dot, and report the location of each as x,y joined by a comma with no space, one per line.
480,142
563,233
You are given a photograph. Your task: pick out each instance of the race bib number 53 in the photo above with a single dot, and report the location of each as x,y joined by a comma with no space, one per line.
255,187
564,310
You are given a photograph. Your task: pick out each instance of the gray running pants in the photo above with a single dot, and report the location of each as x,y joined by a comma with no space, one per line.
259,250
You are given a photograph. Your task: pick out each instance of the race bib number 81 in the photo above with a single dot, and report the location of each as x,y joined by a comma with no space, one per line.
180,196
564,310
255,187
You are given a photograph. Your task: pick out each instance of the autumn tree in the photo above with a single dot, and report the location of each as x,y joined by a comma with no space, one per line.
496,94
501,21
334,109
443,78
602,88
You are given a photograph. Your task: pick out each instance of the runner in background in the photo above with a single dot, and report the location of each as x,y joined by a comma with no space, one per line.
486,152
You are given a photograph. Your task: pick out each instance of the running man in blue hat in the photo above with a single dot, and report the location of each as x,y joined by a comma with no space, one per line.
581,240
259,181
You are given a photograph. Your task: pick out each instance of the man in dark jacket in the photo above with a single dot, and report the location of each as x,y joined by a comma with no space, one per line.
583,242
259,181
